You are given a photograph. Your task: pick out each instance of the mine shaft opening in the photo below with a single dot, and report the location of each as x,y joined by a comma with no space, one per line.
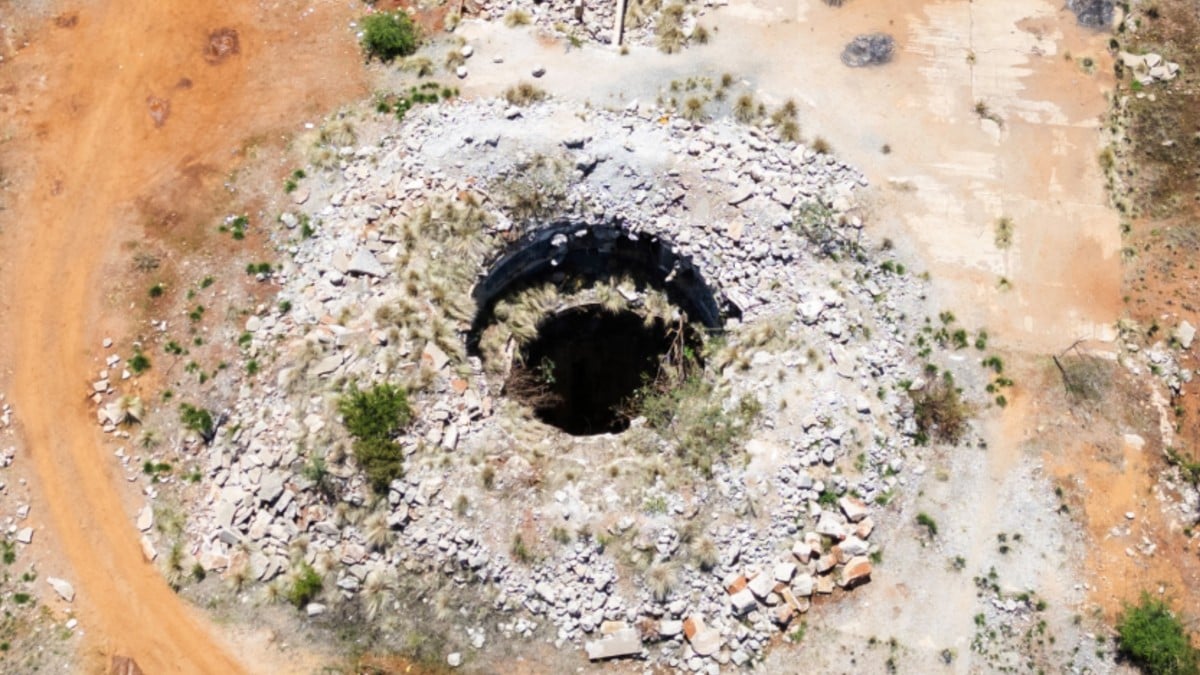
588,368
589,365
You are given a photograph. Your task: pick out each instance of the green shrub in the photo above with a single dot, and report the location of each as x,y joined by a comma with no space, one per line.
305,586
927,522
139,363
374,418
1154,638
198,420
386,36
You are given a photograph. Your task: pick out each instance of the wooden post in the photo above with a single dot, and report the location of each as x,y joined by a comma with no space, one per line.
619,23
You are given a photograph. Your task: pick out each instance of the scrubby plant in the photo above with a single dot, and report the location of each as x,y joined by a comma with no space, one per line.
374,417
1154,639
387,36
939,411
305,586
198,420
927,522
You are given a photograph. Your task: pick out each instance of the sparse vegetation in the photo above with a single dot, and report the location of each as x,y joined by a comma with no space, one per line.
1004,232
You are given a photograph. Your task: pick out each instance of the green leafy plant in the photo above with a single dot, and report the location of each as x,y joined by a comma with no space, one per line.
374,417
386,36
305,586
199,420
1154,638
139,363
927,522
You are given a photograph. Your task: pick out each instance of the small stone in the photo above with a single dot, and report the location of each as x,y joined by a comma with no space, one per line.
467,51
107,343
454,659
742,602
365,262
145,519
538,71
461,72
314,609
25,535
62,587
1185,334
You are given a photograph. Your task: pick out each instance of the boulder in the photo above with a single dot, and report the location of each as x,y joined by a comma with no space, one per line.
869,50
855,509
855,573
1185,333
1092,13
742,602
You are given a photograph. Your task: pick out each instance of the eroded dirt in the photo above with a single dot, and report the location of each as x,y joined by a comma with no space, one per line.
86,154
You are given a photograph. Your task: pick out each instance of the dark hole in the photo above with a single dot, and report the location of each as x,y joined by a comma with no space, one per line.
585,364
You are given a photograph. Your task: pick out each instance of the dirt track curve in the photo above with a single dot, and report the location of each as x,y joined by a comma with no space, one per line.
95,151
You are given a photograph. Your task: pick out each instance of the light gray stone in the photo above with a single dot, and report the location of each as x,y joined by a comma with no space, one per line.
365,262
62,587
624,642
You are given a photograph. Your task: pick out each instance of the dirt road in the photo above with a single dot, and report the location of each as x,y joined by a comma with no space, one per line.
124,102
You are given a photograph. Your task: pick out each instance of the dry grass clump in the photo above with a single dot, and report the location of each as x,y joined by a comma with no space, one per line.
443,243
535,188
940,411
1004,232
1086,378
517,17
670,29
523,94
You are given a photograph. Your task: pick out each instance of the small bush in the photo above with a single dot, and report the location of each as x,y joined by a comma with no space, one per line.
927,522
305,586
386,36
139,363
939,411
373,418
198,420
1152,637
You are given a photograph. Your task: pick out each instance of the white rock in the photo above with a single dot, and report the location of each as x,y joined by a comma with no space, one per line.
145,519
1185,333
62,587
365,262
25,535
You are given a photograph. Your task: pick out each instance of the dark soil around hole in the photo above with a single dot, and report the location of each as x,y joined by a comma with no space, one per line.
584,366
